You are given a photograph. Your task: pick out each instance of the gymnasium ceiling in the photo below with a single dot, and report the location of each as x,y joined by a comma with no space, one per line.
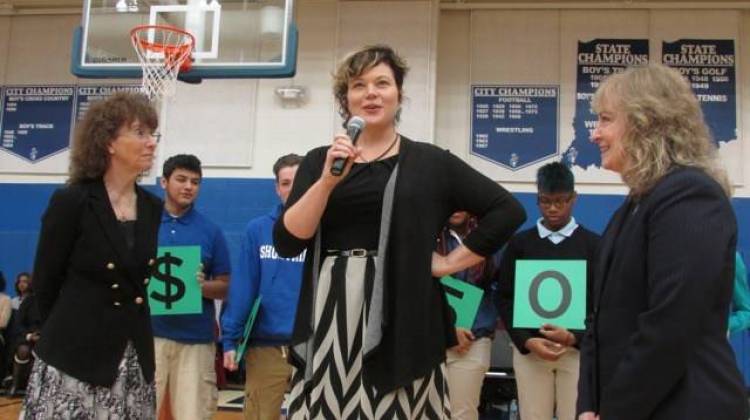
21,6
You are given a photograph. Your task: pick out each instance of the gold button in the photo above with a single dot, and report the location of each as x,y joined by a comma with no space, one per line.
117,304
151,261
145,281
115,286
110,266
139,300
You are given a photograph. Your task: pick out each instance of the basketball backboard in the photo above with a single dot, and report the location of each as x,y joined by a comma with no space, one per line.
233,38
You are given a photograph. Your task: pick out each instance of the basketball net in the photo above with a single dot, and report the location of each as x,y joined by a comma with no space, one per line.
163,52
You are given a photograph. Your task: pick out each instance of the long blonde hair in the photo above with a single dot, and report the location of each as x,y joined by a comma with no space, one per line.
665,126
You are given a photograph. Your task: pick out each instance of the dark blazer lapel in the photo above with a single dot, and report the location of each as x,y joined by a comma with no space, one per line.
609,238
106,215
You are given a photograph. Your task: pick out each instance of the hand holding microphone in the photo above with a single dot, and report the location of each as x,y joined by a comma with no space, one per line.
353,129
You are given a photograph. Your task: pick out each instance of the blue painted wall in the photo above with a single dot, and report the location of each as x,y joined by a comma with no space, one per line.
232,202
229,202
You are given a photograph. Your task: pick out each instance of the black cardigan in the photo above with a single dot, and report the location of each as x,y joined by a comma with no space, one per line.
90,288
417,325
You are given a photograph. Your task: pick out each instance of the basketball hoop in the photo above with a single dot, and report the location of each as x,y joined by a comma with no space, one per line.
163,52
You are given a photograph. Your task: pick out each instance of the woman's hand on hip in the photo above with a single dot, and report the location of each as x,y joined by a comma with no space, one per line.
457,260
439,265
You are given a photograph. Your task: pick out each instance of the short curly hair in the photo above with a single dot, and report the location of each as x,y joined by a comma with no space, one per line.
358,62
89,156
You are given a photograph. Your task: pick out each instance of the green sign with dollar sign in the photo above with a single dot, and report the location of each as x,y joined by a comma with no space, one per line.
174,289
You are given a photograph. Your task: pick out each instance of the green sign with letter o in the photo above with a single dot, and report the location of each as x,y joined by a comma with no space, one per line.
550,292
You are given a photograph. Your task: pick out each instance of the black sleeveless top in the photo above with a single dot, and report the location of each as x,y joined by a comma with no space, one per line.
352,216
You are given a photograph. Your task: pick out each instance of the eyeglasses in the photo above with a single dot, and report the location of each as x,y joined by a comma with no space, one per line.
144,135
558,202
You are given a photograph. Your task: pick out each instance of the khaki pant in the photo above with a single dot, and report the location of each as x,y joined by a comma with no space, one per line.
188,371
267,379
465,378
542,385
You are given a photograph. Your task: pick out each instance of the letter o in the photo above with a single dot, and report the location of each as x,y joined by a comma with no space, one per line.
567,294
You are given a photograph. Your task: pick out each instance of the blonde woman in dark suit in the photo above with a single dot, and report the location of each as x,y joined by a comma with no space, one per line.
97,242
656,344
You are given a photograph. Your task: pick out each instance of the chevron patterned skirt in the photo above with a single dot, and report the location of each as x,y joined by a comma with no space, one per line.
336,389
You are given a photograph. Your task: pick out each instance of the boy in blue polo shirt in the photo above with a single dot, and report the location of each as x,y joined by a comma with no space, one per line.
263,272
185,346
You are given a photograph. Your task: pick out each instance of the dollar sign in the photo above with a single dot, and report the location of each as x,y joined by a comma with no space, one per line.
169,280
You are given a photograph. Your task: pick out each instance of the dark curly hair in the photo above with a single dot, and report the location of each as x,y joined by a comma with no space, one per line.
89,157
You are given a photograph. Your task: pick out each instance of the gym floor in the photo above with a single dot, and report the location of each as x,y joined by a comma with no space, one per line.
9,409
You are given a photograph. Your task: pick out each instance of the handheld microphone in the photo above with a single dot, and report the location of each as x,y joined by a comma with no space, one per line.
353,129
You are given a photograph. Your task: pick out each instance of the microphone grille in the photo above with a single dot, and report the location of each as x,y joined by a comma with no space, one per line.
356,122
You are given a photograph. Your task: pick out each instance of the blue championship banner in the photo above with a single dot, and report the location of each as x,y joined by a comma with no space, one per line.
514,125
36,121
596,60
92,93
709,65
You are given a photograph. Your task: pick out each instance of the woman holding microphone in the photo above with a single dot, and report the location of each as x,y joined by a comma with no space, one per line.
373,324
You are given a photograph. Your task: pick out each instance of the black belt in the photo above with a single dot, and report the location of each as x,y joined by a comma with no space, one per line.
357,252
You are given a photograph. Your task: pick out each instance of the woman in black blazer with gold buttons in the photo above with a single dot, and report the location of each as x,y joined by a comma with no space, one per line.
656,346
97,243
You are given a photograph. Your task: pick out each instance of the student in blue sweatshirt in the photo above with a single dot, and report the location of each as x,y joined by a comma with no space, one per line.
262,272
